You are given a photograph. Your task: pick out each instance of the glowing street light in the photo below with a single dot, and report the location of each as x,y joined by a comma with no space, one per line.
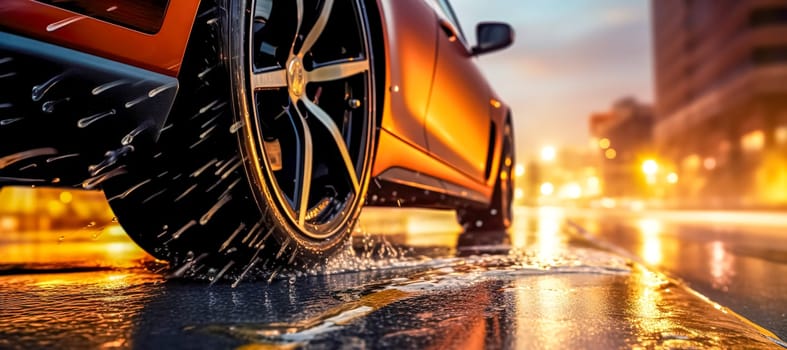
547,188
610,153
672,178
519,170
650,167
548,153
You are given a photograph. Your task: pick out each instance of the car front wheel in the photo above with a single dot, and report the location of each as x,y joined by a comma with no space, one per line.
274,172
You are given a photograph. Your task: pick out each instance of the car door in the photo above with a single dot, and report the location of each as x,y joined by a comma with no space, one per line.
411,44
458,117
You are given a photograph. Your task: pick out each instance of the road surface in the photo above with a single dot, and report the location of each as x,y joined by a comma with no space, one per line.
409,281
738,259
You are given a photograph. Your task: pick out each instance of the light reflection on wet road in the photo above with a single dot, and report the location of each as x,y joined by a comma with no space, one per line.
537,287
738,259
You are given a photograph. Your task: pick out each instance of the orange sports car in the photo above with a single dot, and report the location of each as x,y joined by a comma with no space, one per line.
233,135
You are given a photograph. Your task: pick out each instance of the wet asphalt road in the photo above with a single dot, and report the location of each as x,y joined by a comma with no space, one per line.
406,286
738,259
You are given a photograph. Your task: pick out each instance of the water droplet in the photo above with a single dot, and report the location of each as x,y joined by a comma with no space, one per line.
49,106
110,158
136,101
5,122
129,138
60,24
235,127
183,229
93,182
162,88
84,122
215,208
104,87
16,157
40,90
54,159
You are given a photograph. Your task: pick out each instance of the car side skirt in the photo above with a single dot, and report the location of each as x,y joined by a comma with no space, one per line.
399,165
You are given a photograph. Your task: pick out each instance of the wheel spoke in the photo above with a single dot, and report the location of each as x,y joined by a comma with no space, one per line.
326,121
319,26
306,170
270,79
338,71
299,8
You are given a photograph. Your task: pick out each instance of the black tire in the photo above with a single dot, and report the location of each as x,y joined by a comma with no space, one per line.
499,214
234,184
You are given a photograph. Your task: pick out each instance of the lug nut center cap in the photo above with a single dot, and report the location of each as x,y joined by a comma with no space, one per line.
296,77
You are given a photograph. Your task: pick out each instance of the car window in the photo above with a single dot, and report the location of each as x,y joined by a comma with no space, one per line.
448,12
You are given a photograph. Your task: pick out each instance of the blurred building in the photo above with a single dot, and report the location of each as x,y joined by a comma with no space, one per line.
623,139
721,98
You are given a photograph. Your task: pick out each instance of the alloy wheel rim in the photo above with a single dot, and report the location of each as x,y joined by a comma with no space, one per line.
311,112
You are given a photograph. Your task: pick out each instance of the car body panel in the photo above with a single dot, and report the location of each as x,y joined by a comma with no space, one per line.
410,31
458,122
161,52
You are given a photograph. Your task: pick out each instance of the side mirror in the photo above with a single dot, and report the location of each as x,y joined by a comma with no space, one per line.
492,36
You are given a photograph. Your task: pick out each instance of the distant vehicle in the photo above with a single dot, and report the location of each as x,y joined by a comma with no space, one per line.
248,133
